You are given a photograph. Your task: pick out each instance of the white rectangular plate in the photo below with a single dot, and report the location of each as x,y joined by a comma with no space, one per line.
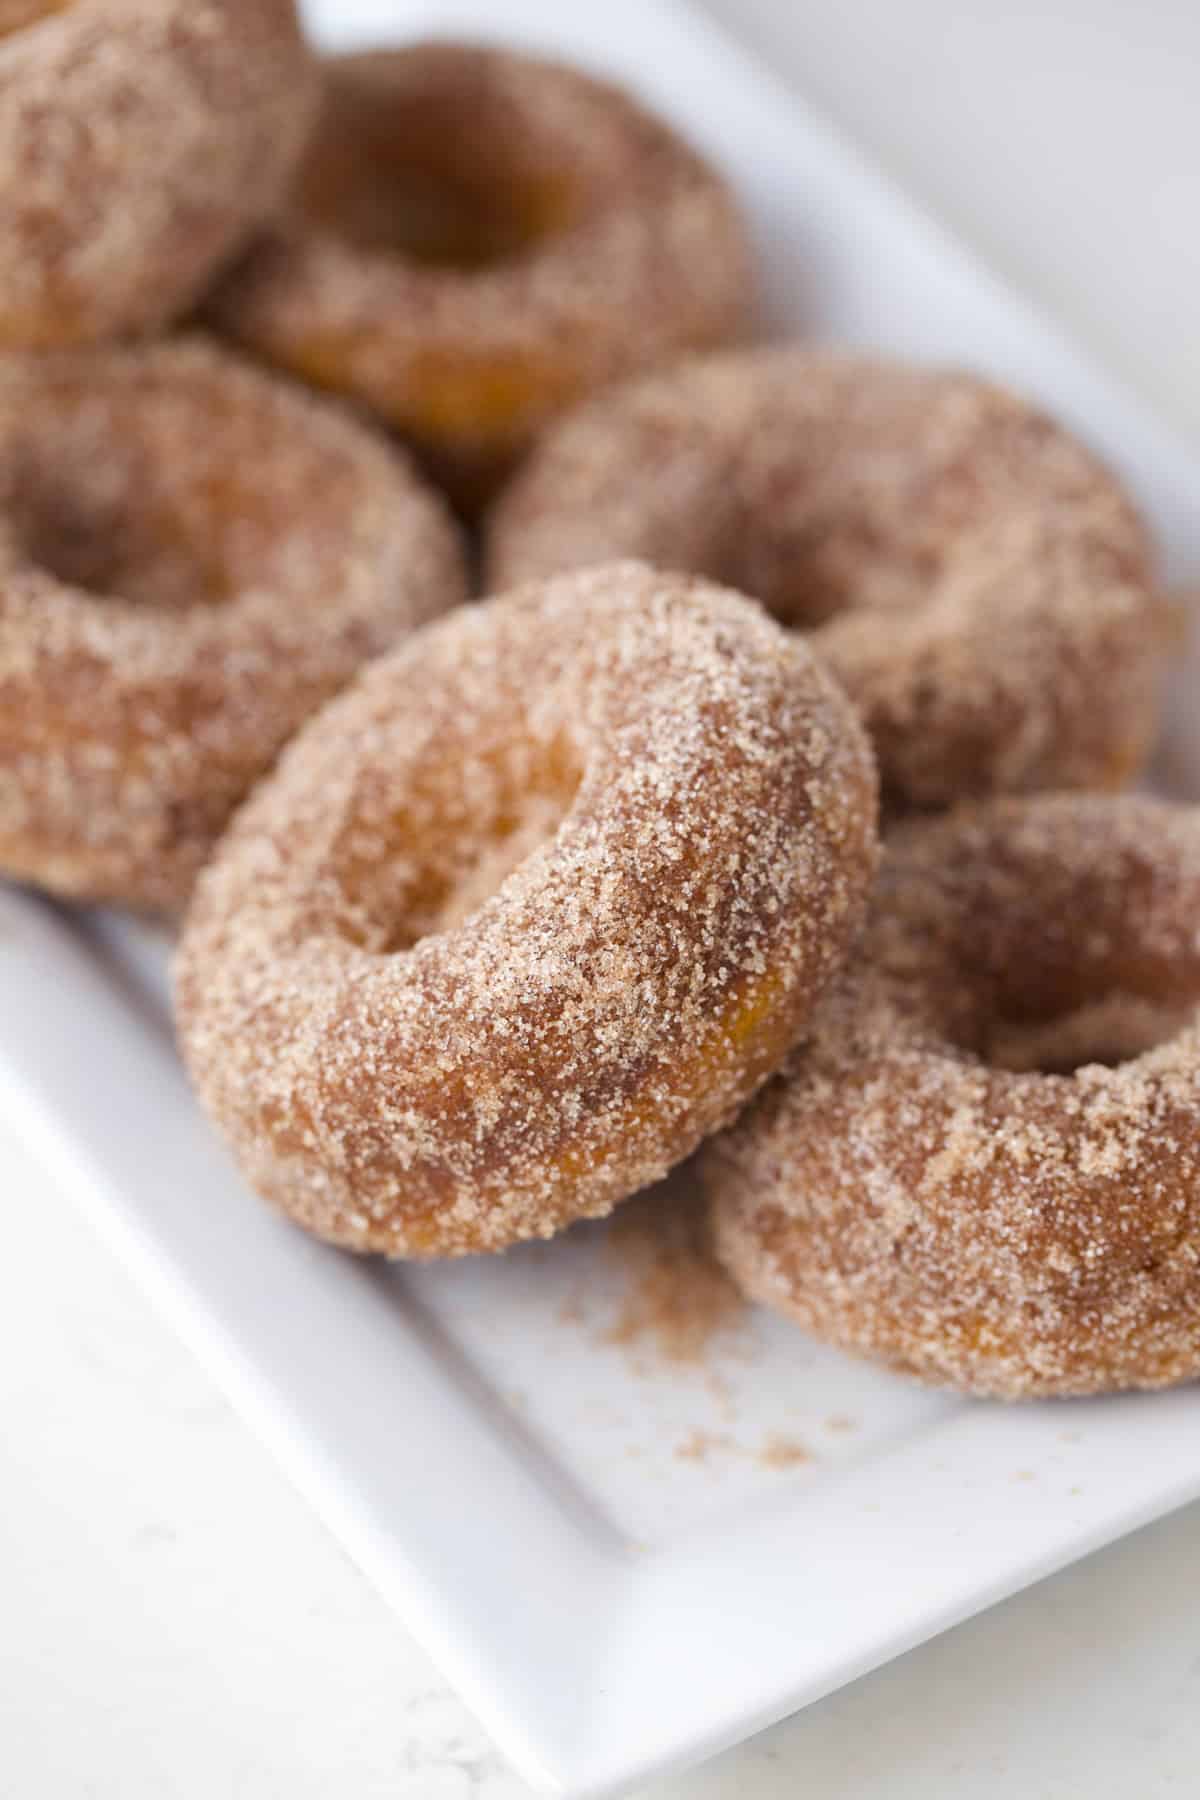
621,1564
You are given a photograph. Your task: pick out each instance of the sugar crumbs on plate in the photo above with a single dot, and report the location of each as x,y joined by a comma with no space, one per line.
677,1299
780,1452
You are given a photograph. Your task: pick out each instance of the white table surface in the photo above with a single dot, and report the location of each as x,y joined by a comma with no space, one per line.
174,1624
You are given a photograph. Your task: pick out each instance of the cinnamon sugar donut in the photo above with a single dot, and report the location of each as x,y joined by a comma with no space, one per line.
984,1167
140,141
526,913
476,239
193,556
979,582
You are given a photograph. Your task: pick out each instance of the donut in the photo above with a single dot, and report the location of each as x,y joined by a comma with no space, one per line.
141,141
475,240
984,1166
193,555
971,573
525,913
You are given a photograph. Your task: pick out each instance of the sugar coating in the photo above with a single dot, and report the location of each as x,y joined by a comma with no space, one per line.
193,556
678,806
972,574
140,142
997,1229
648,258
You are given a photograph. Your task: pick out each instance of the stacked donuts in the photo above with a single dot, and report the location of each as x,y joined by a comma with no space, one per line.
495,913
195,552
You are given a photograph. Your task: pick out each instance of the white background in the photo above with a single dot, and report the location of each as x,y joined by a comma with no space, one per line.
173,1623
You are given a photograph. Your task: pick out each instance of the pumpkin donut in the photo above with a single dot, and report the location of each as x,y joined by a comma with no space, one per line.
979,582
140,142
475,240
984,1166
193,555
525,913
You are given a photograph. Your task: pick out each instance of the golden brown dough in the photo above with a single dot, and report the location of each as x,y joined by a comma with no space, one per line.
982,586
528,911
477,239
193,555
140,142
950,1176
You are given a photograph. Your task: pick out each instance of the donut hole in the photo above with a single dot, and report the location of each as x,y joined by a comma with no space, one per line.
1069,958
471,818
443,177
816,537
1110,1031
17,15
812,527
116,545
809,568
152,495
823,487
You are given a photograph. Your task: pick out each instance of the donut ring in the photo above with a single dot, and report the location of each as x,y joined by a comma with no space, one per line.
476,240
140,141
526,913
193,556
971,573
948,1178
